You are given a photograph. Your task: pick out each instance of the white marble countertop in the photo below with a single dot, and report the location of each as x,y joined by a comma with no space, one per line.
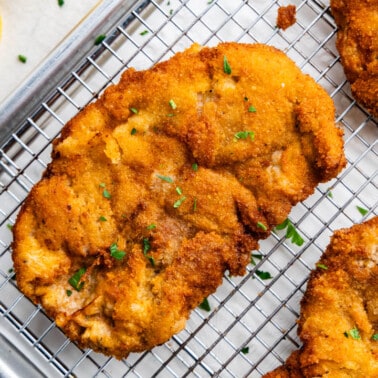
34,29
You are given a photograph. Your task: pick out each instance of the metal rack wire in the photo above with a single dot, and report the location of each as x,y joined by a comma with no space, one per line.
251,326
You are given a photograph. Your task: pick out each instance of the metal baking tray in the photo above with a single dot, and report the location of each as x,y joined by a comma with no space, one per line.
251,327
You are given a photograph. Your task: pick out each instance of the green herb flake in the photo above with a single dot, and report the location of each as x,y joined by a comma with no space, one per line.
244,135
146,245
195,167
195,204
291,232
226,66
252,109
151,226
330,194
99,39
261,225
102,185
362,210
69,293
10,226
375,337
245,350
256,256
178,190
322,266
353,333
60,3
205,305
116,253
134,110
263,275
106,194
102,218
144,32
75,279
165,178
146,248
133,131
22,58
172,104
179,202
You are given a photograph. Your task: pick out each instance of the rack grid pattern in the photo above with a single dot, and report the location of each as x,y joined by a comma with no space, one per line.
251,326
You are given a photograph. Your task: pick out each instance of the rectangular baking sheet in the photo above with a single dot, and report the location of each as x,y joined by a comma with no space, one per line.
246,312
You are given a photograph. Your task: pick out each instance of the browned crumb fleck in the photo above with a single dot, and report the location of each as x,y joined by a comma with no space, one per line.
286,16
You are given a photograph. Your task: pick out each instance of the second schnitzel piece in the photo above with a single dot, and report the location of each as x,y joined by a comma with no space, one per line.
339,311
357,43
168,180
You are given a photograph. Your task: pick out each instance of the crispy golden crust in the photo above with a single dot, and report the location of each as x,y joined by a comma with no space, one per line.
357,43
108,183
286,16
341,297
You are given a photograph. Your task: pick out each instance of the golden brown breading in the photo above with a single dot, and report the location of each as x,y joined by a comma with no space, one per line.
357,43
165,182
339,311
286,16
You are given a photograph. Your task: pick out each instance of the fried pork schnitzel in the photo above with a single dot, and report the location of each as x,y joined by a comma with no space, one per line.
339,311
163,184
357,43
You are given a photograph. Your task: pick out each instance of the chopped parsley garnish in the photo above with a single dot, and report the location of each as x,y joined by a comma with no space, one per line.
172,104
245,135
291,232
362,210
263,275
102,219
195,204
133,131
102,185
151,226
22,58
375,337
116,253
252,109
226,66
146,245
255,256
10,226
165,178
75,282
261,225
245,350
205,305
322,266
69,293
60,3
195,167
178,190
146,248
144,32
99,39
330,194
134,110
353,333
179,202
106,194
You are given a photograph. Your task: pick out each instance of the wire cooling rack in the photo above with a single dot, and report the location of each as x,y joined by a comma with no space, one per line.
251,326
